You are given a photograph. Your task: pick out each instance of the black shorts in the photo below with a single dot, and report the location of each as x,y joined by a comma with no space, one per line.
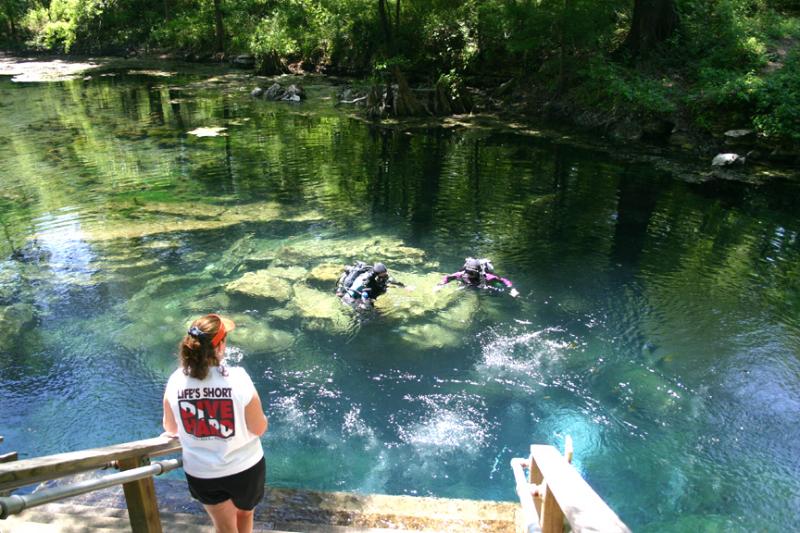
245,488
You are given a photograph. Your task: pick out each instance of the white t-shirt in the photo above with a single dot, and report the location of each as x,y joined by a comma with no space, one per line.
211,421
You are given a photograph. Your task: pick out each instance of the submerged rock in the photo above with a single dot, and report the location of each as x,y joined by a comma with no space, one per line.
428,336
324,310
217,300
291,273
644,392
15,318
161,218
261,284
254,335
325,275
312,303
460,314
417,299
282,314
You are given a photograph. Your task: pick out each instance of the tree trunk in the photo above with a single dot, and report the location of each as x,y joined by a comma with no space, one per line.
220,30
270,64
10,10
654,21
397,18
166,10
386,25
405,103
562,44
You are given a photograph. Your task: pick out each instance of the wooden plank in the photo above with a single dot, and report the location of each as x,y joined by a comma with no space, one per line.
28,471
583,508
8,457
140,496
535,477
568,450
552,518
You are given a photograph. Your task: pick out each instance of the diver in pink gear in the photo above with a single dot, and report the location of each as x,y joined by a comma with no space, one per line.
479,273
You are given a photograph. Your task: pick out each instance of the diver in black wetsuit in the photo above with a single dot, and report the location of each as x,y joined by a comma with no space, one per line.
367,286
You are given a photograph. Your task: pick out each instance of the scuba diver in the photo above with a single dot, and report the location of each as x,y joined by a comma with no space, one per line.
478,273
362,284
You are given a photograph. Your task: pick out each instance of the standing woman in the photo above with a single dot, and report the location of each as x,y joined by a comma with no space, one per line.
216,413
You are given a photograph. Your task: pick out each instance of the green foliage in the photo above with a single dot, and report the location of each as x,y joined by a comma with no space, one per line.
608,88
271,35
86,25
11,11
777,108
729,61
740,73
188,30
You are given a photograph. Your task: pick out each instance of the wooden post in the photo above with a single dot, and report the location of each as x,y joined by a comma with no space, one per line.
568,450
140,496
568,495
535,477
552,518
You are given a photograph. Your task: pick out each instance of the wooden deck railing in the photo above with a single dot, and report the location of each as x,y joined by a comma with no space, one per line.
140,494
553,491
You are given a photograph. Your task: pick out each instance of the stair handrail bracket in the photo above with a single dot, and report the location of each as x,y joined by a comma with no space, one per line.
135,476
554,491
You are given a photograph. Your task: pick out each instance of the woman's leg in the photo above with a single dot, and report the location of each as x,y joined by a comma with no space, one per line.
244,521
224,516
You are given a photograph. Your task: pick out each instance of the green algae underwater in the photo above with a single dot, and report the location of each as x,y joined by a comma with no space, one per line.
657,323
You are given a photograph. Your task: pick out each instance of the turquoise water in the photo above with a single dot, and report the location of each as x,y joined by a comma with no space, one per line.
657,324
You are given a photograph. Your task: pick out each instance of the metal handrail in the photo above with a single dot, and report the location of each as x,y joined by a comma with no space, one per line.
15,503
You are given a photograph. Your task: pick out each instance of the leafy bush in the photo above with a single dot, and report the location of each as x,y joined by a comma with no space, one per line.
777,105
606,86
87,25
191,30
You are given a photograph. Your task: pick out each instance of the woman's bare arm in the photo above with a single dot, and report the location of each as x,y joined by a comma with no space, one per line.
170,426
254,416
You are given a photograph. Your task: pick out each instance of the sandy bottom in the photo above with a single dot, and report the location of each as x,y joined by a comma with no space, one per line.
35,69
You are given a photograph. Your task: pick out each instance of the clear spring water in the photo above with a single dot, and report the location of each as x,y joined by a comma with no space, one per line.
658,322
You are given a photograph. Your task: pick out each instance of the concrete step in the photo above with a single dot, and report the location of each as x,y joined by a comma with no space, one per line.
74,518
286,510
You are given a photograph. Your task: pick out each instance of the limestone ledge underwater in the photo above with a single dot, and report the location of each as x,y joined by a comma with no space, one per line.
275,288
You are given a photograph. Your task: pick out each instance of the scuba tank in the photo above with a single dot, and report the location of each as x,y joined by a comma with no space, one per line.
483,266
351,272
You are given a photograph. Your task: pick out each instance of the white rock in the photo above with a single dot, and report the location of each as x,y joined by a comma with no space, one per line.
738,133
213,131
722,160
